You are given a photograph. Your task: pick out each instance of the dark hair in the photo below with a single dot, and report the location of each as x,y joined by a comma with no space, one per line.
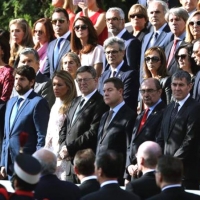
61,10
156,82
111,163
5,33
4,44
88,69
171,169
181,75
26,71
189,48
116,82
84,162
92,42
32,51
99,4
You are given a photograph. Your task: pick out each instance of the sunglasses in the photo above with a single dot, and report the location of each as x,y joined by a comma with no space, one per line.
39,32
61,21
191,23
113,19
182,56
140,16
82,27
153,59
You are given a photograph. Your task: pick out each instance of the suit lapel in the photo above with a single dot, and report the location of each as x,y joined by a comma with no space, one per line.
73,110
101,135
147,40
160,38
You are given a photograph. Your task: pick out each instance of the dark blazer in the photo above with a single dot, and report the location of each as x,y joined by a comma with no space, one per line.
49,67
144,186
131,84
181,137
89,186
111,191
83,132
196,88
175,193
32,118
133,50
52,188
149,131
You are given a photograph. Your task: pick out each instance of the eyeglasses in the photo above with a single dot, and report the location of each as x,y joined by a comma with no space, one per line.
182,56
39,32
149,91
61,21
153,59
113,19
114,52
80,80
191,23
136,15
82,27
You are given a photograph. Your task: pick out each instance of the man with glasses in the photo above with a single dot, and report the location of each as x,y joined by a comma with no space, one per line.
147,125
180,127
81,125
176,18
116,26
60,46
114,48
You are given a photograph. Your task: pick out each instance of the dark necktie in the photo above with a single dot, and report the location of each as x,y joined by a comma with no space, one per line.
153,39
113,74
110,114
78,109
173,50
174,112
144,118
56,52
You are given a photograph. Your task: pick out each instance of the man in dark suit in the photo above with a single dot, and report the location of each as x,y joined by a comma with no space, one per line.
115,20
60,46
108,166
176,18
180,128
26,112
81,125
161,35
147,157
147,125
196,56
114,48
84,169
169,172
116,126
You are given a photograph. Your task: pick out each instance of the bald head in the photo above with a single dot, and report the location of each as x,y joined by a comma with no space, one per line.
47,160
148,154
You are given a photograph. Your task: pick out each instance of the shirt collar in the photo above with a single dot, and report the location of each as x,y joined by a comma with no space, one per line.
116,108
88,178
24,96
89,96
171,186
161,29
108,182
117,68
65,35
183,101
121,33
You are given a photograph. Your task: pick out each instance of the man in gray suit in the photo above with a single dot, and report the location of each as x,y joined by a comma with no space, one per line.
43,85
60,46
160,36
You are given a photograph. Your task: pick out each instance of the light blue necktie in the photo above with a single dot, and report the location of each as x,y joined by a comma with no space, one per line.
56,52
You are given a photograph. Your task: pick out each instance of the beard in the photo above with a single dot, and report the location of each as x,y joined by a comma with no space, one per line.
22,90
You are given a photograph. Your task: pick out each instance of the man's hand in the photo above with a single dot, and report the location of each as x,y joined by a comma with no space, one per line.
64,153
132,170
126,182
3,172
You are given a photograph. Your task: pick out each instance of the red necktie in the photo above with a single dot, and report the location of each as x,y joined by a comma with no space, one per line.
144,118
173,50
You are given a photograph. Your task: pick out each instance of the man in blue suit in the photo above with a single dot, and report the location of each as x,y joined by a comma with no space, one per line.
27,112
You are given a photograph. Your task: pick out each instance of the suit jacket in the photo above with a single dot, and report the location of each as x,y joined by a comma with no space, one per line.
131,84
133,50
144,186
111,191
32,118
49,67
164,38
51,188
175,193
149,131
181,137
82,133
166,89
89,186
196,88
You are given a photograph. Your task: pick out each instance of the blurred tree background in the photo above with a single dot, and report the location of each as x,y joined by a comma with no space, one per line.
32,10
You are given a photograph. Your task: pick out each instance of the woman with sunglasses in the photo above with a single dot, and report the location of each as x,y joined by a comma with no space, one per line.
185,61
43,34
155,67
193,27
20,37
139,20
84,43
93,10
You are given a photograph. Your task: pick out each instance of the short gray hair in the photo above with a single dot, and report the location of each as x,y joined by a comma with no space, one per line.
178,12
164,5
116,9
114,40
28,50
182,74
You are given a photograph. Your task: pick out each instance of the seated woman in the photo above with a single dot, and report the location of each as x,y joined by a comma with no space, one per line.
155,66
70,63
84,44
65,91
